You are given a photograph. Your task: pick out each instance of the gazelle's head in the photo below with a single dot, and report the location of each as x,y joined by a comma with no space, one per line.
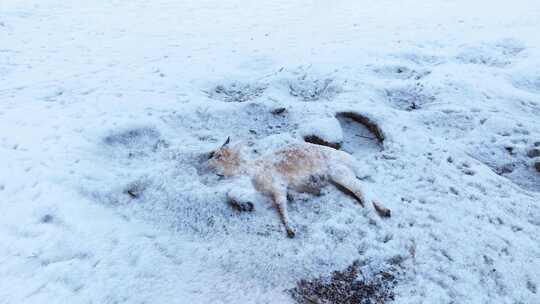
226,160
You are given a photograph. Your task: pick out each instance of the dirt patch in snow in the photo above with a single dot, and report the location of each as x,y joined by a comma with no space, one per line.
348,286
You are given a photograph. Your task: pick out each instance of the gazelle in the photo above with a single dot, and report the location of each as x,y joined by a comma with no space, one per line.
299,167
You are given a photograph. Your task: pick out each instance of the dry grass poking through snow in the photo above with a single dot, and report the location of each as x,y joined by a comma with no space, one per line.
347,287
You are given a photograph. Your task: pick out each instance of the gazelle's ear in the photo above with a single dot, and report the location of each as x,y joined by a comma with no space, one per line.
227,141
211,154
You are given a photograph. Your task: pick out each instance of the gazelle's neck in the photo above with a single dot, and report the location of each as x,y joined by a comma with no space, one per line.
246,167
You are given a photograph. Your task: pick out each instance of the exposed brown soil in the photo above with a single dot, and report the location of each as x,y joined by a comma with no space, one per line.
346,287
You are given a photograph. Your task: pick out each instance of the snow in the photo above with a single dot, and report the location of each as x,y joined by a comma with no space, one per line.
99,96
327,129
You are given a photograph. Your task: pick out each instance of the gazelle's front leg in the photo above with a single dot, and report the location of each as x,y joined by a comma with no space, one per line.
239,202
280,201
242,195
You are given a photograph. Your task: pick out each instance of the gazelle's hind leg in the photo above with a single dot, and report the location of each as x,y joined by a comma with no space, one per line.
280,200
346,181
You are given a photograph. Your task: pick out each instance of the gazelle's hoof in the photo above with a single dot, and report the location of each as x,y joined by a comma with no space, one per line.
381,210
291,233
241,206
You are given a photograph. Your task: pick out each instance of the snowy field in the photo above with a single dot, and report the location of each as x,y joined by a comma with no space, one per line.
107,109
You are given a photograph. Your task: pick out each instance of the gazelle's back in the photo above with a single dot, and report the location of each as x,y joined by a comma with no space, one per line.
305,159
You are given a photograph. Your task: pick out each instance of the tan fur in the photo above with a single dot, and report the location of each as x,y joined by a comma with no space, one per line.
293,167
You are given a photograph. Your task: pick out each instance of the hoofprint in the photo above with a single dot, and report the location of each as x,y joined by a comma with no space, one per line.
301,167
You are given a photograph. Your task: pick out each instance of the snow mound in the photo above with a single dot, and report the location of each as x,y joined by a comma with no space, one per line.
326,132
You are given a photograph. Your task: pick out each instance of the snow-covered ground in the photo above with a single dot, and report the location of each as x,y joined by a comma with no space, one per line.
106,107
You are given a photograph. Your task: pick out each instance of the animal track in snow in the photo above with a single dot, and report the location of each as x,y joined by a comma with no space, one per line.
133,137
409,98
512,156
248,121
136,141
313,89
237,91
495,54
528,80
400,72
